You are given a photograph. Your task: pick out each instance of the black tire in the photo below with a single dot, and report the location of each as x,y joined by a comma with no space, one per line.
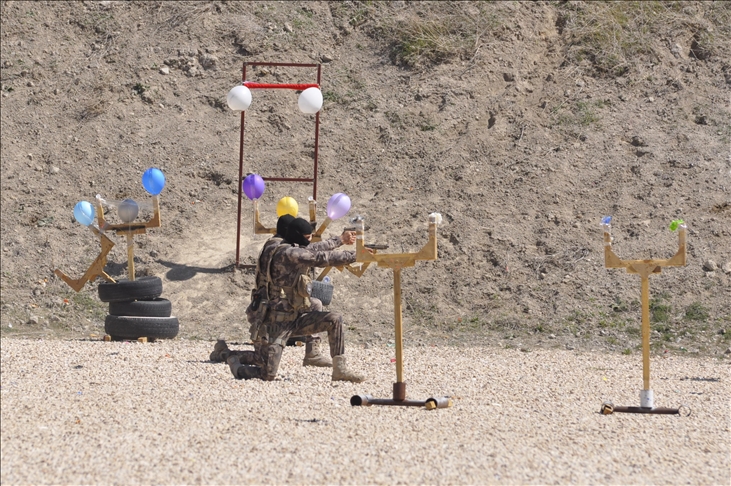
127,290
142,308
126,327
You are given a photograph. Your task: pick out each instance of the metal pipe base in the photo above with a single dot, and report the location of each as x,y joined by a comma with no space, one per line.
609,408
399,399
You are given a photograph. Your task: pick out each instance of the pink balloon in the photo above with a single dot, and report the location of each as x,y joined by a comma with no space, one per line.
338,206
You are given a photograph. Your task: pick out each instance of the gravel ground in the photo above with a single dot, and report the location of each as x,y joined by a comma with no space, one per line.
90,412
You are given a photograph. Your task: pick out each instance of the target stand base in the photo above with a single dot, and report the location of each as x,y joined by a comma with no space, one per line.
399,399
608,408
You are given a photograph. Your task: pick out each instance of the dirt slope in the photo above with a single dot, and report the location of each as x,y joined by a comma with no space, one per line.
521,139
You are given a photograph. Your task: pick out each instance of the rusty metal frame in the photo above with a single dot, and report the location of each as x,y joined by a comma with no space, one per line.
313,180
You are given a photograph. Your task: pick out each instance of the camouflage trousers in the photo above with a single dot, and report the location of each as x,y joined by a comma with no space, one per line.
270,353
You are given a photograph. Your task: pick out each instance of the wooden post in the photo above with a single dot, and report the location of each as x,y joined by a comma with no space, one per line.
645,332
130,256
399,328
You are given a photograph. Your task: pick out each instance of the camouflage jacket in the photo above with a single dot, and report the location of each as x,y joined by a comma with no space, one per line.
288,262
273,242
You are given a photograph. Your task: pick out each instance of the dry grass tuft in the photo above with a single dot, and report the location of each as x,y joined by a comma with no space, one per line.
615,38
420,35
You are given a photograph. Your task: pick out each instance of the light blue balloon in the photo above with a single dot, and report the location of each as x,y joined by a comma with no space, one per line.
153,180
84,213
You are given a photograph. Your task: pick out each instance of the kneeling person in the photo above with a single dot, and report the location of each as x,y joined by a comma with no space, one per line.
290,308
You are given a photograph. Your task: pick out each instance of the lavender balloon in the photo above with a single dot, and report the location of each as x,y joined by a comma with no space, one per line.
338,206
253,186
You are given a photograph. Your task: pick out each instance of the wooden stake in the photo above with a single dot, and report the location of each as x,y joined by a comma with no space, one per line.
130,256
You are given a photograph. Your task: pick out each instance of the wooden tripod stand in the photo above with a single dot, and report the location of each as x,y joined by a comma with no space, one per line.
129,230
643,268
397,261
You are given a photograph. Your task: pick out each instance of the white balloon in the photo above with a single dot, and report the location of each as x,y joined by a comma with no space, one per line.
239,98
310,100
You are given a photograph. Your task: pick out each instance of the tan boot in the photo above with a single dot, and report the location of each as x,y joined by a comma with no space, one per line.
314,357
220,352
342,373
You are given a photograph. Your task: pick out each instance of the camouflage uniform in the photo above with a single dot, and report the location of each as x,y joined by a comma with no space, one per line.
221,351
286,318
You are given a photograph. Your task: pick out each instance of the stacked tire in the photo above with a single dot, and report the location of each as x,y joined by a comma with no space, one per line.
136,310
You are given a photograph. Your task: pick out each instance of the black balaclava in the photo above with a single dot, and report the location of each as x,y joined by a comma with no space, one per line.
282,224
297,230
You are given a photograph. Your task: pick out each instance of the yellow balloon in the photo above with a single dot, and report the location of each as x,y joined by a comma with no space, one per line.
287,205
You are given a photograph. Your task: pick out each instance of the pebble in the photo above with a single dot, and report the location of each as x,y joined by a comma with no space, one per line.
710,266
86,403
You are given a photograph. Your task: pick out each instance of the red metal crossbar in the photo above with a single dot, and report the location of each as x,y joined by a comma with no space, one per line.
252,85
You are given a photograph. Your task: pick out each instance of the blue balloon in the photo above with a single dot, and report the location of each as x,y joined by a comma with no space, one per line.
84,213
153,180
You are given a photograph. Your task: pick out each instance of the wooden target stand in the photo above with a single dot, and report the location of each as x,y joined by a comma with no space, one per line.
396,262
96,269
644,268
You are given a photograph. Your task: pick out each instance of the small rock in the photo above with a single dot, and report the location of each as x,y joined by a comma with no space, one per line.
638,141
288,27
327,58
153,254
710,266
33,320
509,77
55,318
165,70
551,336
727,267
580,83
569,347
55,170
728,351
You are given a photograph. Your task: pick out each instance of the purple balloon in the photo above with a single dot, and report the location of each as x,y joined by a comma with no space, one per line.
253,186
338,206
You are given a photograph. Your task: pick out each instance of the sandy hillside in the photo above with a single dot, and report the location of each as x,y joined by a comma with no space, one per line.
523,124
